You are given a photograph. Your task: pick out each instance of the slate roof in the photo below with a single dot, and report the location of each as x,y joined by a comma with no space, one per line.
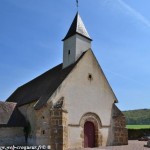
10,116
6,110
77,27
41,88
17,119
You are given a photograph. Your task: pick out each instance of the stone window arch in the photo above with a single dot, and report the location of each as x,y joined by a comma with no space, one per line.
94,118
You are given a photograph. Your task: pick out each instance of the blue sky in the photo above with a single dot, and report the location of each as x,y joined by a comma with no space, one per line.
30,43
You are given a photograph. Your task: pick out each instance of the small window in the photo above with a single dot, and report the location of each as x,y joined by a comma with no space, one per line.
43,117
90,77
68,52
43,132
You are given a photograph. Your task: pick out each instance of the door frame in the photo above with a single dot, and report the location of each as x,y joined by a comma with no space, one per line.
94,118
86,131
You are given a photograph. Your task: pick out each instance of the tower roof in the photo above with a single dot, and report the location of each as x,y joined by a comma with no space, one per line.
77,27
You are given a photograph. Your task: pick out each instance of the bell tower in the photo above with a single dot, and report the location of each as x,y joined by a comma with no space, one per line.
76,41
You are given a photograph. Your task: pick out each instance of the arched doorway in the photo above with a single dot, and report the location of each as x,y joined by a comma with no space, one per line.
89,134
93,118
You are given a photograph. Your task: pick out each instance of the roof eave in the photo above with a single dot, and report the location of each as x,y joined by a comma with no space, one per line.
67,37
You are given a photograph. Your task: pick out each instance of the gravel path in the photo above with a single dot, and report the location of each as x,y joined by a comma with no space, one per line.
132,145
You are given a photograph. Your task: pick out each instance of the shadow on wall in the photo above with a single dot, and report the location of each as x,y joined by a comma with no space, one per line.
12,130
27,131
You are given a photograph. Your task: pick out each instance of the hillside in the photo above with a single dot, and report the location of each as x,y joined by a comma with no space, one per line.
138,117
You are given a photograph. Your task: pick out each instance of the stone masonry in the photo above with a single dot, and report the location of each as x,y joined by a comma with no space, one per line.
59,129
119,124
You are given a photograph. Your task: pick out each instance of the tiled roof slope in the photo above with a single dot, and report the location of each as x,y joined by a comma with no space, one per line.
6,110
42,87
10,116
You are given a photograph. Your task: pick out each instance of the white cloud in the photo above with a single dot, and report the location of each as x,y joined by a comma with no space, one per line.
120,5
134,13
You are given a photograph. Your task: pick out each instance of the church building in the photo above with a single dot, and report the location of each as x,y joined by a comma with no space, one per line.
70,106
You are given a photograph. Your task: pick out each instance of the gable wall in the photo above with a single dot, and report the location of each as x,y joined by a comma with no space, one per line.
82,95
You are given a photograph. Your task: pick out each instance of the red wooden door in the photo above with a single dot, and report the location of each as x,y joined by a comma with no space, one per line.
89,134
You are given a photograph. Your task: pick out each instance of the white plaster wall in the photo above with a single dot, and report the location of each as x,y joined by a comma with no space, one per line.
82,44
74,136
69,44
77,45
82,95
104,132
12,136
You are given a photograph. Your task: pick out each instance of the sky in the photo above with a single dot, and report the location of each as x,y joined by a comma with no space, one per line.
30,43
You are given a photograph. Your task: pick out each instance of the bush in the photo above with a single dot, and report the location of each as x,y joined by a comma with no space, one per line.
135,134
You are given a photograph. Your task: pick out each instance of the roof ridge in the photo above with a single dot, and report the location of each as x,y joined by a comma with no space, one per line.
42,87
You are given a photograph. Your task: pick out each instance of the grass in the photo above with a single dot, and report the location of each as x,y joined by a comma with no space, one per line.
138,126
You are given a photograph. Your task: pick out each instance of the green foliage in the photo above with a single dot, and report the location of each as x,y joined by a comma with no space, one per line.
134,134
138,126
137,117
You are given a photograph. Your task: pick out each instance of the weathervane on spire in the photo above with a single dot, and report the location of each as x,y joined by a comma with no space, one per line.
77,4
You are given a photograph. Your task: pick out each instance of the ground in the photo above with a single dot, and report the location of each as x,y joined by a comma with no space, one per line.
133,145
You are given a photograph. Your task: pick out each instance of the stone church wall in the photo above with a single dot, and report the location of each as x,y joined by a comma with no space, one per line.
11,136
40,124
120,132
42,131
119,127
29,113
59,129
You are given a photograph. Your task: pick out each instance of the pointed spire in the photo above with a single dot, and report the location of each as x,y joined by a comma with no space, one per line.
77,27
